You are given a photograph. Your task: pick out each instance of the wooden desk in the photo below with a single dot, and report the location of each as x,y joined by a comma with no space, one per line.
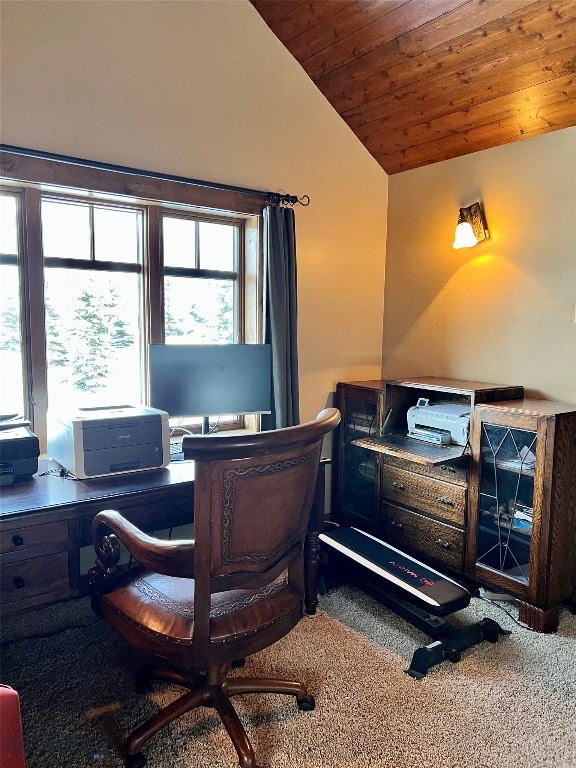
46,519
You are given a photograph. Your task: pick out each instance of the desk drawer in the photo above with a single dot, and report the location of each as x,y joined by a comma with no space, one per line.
444,500
35,576
428,538
148,517
21,539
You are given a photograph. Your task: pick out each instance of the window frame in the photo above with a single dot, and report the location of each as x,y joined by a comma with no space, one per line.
32,175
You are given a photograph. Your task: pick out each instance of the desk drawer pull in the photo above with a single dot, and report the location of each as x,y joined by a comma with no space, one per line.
396,524
19,582
444,544
399,486
445,500
17,540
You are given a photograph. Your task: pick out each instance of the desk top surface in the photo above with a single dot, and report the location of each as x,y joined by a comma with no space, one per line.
42,491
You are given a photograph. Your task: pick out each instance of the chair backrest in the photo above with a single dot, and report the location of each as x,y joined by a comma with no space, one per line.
252,500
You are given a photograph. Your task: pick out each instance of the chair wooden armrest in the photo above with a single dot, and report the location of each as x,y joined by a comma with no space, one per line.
171,558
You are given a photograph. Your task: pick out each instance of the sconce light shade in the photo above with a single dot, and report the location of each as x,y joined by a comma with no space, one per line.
471,227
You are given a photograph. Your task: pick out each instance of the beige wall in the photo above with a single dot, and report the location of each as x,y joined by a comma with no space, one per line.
505,310
204,89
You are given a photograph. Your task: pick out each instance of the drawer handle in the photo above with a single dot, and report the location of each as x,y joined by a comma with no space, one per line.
444,500
18,582
17,540
444,544
396,524
398,485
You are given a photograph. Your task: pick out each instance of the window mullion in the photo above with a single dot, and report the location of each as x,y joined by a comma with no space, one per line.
33,313
239,320
197,261
92,233
203,274
154,276
93,266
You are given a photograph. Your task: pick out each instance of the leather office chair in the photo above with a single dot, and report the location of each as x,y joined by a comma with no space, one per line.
236,589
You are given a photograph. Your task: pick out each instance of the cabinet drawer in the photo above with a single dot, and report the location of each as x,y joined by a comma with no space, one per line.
451,472
35,576
444,500
429,538
20,539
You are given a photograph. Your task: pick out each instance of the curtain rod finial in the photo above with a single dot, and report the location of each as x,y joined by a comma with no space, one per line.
275,198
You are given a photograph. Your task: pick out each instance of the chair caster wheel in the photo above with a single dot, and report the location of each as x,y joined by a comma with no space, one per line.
453,656
135,761
307,704
143,686
238,663
144,681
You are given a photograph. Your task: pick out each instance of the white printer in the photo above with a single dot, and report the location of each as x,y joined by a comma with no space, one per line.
95,442
440,423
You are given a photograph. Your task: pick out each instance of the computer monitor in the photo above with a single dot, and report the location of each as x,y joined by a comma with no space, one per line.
210,379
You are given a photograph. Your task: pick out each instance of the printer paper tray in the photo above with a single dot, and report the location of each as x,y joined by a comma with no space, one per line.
414,450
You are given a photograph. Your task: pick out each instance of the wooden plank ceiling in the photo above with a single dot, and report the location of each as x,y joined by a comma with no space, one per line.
420,81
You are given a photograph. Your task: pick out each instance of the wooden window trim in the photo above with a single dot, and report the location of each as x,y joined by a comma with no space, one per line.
30,167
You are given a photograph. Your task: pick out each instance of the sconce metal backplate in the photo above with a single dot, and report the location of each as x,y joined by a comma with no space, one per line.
474,215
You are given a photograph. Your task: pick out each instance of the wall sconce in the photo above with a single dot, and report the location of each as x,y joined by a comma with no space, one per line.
471,227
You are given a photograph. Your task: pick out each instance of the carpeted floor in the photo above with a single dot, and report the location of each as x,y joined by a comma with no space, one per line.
512,703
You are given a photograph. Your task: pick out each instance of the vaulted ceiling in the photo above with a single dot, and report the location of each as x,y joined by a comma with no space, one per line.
420,81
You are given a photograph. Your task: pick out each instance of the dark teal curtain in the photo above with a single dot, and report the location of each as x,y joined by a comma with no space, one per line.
280,315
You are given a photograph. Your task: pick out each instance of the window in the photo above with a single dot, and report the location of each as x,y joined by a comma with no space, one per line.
201,280
93,303
89,277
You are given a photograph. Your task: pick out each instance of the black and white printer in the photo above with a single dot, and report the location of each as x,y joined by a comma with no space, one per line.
95,442
439,423
19,451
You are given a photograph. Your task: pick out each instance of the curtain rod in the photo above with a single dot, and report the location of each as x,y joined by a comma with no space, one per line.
272,198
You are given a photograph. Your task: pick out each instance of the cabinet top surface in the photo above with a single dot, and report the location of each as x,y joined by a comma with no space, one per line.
431,382
530,406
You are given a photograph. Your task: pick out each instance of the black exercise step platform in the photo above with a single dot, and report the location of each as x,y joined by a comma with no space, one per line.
418,593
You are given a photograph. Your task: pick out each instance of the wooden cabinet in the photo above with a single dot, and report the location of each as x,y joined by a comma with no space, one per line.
522,527
500,512
481,511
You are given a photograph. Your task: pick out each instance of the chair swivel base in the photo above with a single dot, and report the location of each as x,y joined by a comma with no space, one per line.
213,689
414,591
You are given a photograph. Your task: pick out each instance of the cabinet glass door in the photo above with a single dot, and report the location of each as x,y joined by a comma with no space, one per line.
359,465
506,500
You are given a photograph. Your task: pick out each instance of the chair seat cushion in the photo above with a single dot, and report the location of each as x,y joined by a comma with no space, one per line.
164,606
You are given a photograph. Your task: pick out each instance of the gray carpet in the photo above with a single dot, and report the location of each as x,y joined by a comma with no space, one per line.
512,703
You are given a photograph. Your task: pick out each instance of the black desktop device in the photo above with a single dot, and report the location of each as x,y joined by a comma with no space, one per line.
210,379
19,451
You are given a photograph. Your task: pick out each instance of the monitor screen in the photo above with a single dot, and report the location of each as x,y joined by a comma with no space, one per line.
210,379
